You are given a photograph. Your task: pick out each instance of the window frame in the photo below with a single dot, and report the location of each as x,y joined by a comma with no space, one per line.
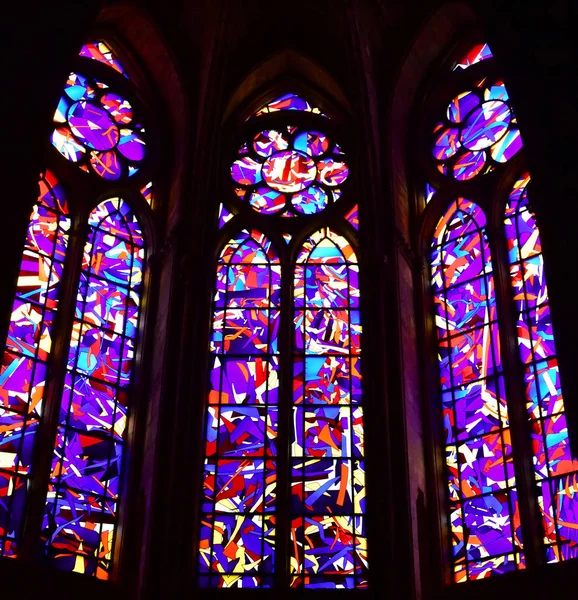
491,193
240,127
84,192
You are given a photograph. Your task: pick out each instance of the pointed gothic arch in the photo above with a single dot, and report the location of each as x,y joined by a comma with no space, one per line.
495,344
100,155
288,180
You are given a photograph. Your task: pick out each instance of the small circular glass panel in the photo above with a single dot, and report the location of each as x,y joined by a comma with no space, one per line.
486,125
93,125
289,171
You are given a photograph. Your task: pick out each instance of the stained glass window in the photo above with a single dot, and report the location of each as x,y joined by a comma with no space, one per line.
554,467
95,126
290,169
87,385
238,527
478,132
27,349
327,468
83,492
256,417
485,521
481,484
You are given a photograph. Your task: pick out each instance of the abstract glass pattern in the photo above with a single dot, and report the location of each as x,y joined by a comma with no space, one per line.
289,169
147,194
102,53
483,507
479,130
238,522
475,55
328,538
225,216
288,102
83,497
95,127
555,470
27,351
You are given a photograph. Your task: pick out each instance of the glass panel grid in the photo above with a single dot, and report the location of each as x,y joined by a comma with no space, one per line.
84,488
237,545
484,524
555,469
328,538
27,350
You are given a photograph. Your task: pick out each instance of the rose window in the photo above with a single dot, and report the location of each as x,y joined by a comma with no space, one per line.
479,131
96,127
289,171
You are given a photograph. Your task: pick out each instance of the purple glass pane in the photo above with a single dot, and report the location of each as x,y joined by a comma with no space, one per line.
486,125
131,145
106,164
469,164
93,126
461,106
246,171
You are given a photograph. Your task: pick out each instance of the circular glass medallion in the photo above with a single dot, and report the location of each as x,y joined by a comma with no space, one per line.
461,105
267,142
246,171
131,145
310,201
332,172
93,126
311,142
267,201
288,171
486,125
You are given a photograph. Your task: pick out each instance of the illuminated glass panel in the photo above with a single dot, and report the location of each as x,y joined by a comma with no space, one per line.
479,130
95,127
147,194
353,217
28,345
238,523
102,53
225,216
289,169
328,537
81,512
429,193
484,516
288,102
475,55
555,470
